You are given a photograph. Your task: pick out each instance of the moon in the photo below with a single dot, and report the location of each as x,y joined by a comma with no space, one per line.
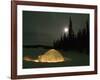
66,30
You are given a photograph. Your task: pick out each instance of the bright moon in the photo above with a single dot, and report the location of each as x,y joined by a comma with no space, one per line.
66,29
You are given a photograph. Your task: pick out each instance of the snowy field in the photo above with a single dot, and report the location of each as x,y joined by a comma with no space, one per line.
75,58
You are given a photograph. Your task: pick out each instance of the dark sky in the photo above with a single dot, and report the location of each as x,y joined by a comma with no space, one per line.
45,27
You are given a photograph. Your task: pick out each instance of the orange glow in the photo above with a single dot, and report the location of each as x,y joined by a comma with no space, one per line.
51,56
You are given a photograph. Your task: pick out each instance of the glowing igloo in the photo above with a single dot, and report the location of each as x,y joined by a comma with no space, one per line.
51,56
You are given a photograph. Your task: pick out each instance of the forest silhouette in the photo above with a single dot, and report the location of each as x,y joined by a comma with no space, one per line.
74,42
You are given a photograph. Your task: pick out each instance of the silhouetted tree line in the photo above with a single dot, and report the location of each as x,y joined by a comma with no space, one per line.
78,42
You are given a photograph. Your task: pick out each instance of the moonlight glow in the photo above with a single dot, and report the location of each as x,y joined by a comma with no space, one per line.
66,30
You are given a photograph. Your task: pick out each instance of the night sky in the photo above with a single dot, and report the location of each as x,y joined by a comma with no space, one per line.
42,28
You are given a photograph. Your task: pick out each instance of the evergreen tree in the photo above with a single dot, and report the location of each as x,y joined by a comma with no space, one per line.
71,32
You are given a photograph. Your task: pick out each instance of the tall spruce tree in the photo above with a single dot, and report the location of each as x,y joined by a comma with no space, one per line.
71,32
